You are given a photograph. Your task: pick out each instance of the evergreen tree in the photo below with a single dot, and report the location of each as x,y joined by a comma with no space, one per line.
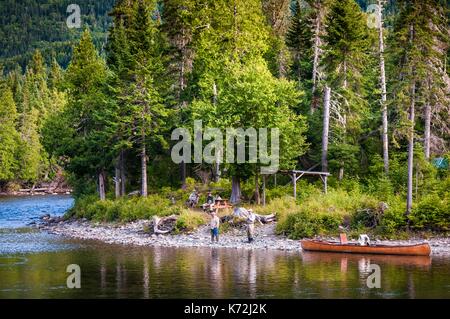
299,40
88,116
8,134
278,15
345,54
135,58
413,66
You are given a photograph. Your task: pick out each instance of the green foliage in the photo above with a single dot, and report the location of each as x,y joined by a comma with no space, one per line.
190,220
8,135
27,25
124,210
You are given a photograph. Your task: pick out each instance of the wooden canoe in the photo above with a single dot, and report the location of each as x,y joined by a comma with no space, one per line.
411,250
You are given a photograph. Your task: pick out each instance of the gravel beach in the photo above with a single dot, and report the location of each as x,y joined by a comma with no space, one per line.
133,234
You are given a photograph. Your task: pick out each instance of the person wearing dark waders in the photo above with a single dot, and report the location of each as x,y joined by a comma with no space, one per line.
214,225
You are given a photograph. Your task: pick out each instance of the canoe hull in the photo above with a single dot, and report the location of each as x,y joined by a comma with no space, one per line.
412,250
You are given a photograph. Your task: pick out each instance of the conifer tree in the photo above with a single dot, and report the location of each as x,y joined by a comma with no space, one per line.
299,40
414,68
345,54
8,134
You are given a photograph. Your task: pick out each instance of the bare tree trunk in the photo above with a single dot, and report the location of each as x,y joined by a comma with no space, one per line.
117,174
326,128
144,191
409,196
235,190
183,175
345,74
183,104
101,185
122,173
341,173
257,195
384,112
317,43
427,133
218,152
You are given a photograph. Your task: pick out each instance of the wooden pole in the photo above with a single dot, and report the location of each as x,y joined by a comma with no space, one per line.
264,190
294,181
325,186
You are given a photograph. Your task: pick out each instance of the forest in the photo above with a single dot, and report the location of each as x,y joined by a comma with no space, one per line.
359,89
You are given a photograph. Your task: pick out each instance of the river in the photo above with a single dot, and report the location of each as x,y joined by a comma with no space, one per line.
33,265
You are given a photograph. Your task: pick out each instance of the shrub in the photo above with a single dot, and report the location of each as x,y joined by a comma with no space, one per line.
190,220
431,213
394,218
321,214
124,209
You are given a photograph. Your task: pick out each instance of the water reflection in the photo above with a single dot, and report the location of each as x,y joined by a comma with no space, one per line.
118,272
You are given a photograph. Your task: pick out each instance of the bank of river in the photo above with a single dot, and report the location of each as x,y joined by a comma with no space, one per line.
266,238
33,263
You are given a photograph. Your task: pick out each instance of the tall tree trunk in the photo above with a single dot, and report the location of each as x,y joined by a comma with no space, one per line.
235,190
183,175
427,133
218,152
409,195
101,185
384,112
183,103
144,191
345,74
326,128
257,194
317,44
412,121
117,182
122,173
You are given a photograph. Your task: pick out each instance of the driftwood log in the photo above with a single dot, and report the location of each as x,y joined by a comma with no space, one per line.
242,213
164,225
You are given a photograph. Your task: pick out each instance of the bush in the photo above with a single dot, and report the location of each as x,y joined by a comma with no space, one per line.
432,213
125,209
190,220
394,218
321,214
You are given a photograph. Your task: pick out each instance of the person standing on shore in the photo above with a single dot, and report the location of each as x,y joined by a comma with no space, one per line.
251,225
214,225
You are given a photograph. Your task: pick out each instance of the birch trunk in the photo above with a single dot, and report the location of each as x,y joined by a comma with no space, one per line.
122,174
427,133
235,190
409,195
144,191
326,127
101,185
257,194
117,178
384,112
317,43
218,152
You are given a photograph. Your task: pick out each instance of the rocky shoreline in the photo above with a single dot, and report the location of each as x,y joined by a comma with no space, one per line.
133,234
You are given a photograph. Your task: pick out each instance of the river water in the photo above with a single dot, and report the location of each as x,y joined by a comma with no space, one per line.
33,265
